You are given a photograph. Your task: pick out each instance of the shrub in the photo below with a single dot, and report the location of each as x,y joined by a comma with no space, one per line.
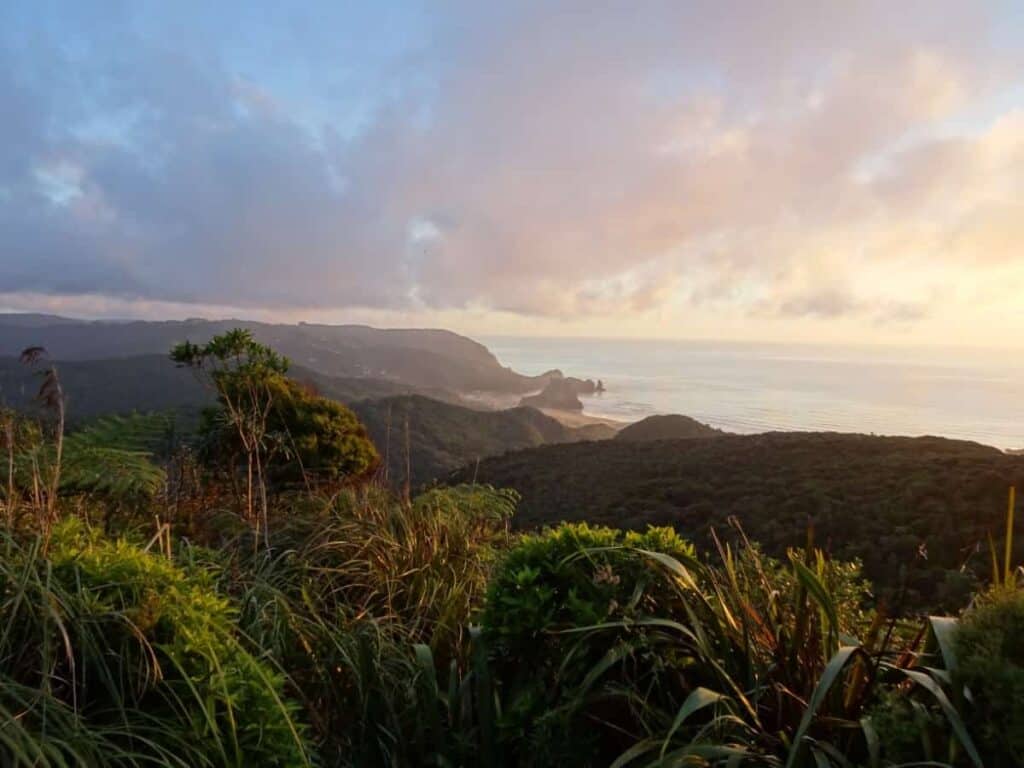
606,643
309,437
990,663
549,586
911,727
136,655
321,438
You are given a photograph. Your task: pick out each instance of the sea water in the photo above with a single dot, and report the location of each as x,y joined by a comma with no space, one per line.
743,387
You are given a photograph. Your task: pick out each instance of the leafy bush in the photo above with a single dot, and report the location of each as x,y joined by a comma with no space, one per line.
989,650
549,586
796,664
320,438
606,643
775,645
922,710
133,656
307,437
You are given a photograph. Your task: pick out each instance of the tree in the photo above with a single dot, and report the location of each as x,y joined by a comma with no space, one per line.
244,374
309,438
320,437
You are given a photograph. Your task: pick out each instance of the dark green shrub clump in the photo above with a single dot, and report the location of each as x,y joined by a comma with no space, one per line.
309,437
977,716
321,437
547,588
130,660
990,663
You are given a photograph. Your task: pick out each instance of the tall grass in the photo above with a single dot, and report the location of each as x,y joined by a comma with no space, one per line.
360,612
110,655
801,679
354,591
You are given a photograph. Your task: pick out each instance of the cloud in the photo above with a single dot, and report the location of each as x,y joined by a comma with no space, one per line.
539,160
825,304
831,303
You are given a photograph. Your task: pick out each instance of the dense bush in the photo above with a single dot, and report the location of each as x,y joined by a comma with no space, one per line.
990,664
595,644
133,656
606,643
789,664
549,586
321,437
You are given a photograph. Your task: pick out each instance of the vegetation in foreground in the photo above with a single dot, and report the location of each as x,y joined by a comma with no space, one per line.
210,609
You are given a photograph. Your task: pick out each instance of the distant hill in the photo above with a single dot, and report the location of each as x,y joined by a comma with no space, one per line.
422,359
443,436
666,427
34,320
923,504
145,383
103,387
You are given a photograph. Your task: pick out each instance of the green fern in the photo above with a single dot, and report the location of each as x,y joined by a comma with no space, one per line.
112,457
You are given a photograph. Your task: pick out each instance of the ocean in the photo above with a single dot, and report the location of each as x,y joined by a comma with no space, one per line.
742,387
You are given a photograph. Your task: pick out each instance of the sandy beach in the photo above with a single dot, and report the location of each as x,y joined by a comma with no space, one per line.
581,419
490,401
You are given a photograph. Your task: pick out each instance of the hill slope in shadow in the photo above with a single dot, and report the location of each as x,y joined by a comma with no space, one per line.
443,436
920,506
666,427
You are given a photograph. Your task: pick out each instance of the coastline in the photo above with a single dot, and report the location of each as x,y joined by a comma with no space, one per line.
577,419
761,387
490,401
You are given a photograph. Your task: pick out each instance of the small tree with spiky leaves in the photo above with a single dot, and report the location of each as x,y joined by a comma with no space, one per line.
242,373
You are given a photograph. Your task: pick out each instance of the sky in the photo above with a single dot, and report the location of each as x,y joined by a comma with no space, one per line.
781,171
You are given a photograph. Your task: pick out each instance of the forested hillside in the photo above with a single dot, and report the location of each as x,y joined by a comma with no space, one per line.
145,383
443,437
666,427
919,506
